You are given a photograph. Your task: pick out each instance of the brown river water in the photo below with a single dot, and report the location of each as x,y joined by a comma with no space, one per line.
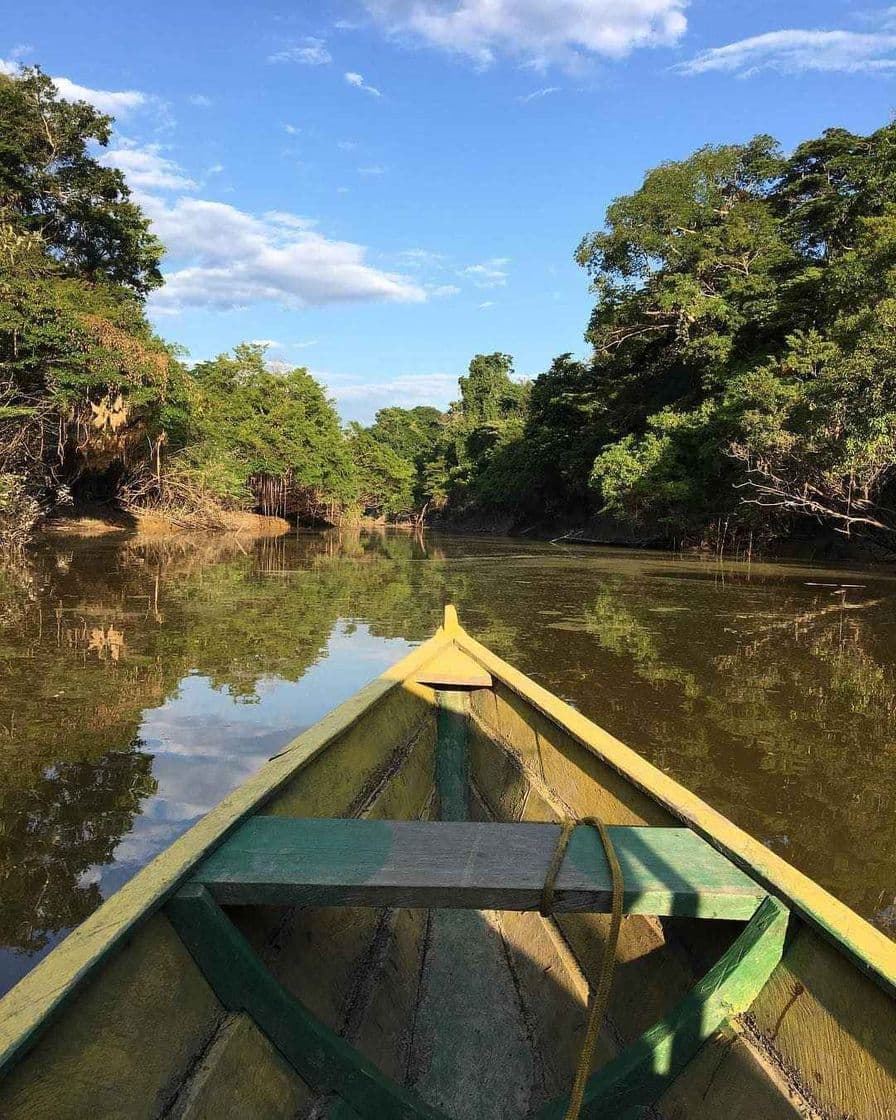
141,681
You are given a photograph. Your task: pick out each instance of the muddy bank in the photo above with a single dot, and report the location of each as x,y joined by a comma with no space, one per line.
96,521
588,530
804,541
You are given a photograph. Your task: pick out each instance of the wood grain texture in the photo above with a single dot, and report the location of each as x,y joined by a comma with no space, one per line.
240,1075
820,1017
576,778
642,1072
331,782
471,1056
386,1022
471,865
452,761
125,1044
730,1079
321,1058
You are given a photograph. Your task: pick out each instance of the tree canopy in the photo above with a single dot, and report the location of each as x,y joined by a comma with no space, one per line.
51,185
739,376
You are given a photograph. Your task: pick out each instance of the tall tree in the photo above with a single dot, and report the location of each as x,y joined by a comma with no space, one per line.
51,185
487,392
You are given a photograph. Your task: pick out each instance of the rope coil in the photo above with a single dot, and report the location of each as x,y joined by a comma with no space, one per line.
600,998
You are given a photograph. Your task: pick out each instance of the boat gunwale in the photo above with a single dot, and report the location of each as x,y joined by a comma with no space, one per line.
870,949
33,1004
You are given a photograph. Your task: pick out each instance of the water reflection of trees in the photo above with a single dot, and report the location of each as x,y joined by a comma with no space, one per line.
92,636
780,711
773,700
57,829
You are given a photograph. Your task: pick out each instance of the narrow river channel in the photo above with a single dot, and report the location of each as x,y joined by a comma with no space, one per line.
140,681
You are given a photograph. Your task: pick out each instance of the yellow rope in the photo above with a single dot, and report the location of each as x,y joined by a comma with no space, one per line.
599,1000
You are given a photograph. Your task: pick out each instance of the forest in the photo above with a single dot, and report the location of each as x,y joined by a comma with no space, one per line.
739,383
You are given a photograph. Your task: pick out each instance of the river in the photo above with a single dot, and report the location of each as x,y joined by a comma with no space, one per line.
140,681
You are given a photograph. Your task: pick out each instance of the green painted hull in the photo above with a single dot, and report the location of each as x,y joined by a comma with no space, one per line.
163,1005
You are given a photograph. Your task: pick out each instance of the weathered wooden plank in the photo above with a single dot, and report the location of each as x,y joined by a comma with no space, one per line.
643,1071
318,1055
453,669
471,865
452,764
820,1016
151,1001
240,1075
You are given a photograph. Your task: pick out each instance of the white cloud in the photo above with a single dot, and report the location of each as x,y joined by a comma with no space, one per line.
145,168
267,342
289,221
227,258
439,291
117,103
303,345
310,52
372,169
358,400
200,100
346,145
486,304
357,80
540,32
214,169
797,51
489,274
291,130
537,94
420,258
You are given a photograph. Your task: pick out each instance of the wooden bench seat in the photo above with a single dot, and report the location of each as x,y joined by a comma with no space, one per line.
471,865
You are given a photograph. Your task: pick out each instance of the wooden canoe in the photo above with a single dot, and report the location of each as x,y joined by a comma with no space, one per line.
355,932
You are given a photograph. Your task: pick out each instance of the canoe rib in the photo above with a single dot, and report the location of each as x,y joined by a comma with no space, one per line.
643,1071
636,1077
286,861
241,982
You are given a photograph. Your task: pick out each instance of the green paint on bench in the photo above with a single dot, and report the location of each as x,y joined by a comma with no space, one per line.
452,778
471,865
318,1055
641,1073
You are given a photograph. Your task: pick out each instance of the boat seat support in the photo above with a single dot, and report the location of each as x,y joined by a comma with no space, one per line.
635,1078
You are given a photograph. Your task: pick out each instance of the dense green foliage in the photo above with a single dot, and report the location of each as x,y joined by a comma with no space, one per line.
81,373
92,403
740,373
249,436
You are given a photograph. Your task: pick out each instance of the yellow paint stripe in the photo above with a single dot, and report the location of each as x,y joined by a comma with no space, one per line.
28,1007
869,948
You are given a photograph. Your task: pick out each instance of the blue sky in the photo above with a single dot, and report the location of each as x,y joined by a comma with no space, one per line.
383,188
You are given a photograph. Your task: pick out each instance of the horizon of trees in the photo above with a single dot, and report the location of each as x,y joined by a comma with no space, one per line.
740,378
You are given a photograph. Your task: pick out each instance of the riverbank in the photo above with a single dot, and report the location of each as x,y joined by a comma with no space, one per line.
810,543
804,541
99,521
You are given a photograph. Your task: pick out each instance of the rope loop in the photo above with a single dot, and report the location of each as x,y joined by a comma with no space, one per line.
599,999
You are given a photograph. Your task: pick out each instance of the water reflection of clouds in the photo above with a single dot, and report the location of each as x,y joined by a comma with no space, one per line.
205,742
